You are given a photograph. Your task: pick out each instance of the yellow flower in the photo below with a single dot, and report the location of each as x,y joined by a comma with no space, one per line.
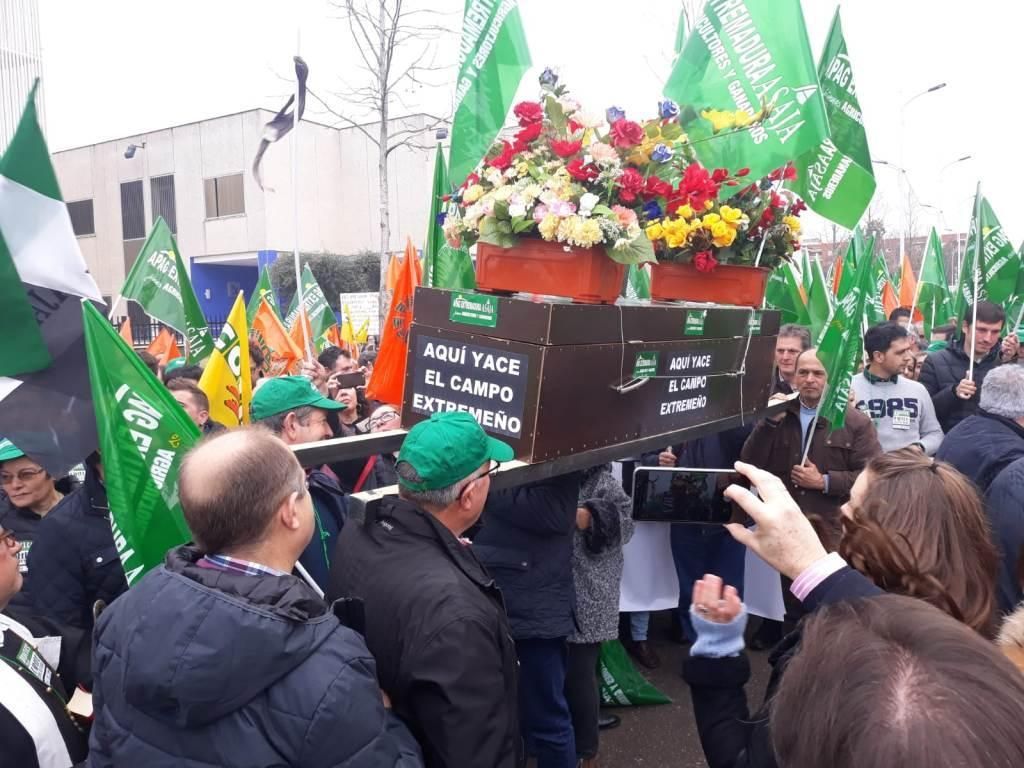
742,118
522,168
585,232
685,211
719,120
722,234
565,227
793,223
730,215
709,204
710,219
655,231
548,226
473,193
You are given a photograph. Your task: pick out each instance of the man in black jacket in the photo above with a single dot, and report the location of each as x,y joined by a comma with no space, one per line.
435,621
292,408
944,373
526,541
222,656
982,445
74,561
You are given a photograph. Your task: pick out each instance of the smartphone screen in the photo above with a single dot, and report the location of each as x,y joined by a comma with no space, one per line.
681,495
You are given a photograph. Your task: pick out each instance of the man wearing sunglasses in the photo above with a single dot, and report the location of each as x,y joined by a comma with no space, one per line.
435,621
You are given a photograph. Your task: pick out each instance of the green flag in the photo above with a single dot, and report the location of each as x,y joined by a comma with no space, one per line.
158,282
1015,315
835,178
40,262
143,436
806,272
493,57
321,316
819,301
992,255
933,288
263,290
444,266
840,347
783,293
638,284
875,308
743,54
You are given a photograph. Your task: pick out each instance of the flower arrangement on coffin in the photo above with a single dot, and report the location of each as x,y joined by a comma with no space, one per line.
572,177
759,225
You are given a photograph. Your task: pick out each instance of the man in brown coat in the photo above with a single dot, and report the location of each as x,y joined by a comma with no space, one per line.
822,484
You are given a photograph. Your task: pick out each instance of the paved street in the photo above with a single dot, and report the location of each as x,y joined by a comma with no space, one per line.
666,736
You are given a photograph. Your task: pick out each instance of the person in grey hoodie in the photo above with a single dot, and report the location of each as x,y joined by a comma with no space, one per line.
604,524
901,409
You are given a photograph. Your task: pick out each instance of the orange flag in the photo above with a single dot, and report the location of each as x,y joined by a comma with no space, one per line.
296,332
908,288
164,347
889,300
126,331
281,355
837,275
388,377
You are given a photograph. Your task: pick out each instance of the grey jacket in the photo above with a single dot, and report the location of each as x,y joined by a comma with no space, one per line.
597,556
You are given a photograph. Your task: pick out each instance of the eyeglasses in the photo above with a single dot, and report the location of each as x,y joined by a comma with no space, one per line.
382,419
23,475
491,472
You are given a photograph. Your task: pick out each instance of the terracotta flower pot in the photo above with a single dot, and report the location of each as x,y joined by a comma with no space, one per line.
725,284
586,275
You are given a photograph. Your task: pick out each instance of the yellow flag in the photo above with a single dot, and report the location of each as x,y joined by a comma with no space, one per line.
227,380
363,334
347,334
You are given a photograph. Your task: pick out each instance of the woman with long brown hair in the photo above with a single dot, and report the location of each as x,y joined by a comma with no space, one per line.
913,527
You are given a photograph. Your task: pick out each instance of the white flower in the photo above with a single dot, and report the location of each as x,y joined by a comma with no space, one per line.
587,203
503,193
588,119
473,213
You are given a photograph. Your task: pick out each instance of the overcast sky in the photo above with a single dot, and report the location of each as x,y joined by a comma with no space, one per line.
120,67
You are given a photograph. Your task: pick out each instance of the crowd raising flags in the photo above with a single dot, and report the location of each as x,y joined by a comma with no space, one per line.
227,379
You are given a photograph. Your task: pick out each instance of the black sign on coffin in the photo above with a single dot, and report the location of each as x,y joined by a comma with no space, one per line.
490,383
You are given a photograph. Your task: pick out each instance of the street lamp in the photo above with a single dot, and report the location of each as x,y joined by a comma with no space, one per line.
131,149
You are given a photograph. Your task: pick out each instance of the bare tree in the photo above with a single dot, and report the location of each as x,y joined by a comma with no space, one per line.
397,47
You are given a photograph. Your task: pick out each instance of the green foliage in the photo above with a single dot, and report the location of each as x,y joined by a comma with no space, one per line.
335,274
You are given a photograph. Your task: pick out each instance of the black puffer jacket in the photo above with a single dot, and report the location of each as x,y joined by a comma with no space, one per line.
331,507
73,561
525,541
981,446
201,667
943,370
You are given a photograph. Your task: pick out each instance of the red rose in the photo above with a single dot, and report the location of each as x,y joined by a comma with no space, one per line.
626,133
631,184
655,187
529,133
528,112
698,186
790,173
504,160
472,179
574,126
581,172
777,201
564,148
719,175
798,207
742,172
767,218
705,261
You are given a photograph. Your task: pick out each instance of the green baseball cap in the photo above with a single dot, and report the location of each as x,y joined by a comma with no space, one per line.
9,450
175,364
286,393
449,447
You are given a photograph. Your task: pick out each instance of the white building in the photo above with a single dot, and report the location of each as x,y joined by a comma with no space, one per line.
199,177
20,63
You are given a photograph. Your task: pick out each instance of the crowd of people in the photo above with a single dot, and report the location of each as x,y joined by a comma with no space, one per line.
456,625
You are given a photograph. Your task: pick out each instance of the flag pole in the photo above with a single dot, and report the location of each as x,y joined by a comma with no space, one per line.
308,579
917,288
295,209
977,260
114,306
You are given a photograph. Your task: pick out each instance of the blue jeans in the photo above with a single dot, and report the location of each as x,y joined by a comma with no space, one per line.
543,711
700,549
639,623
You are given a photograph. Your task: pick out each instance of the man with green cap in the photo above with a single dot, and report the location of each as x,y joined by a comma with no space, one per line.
435,621
293,409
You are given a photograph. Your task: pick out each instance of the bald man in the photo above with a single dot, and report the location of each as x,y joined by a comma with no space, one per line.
822,483
221,656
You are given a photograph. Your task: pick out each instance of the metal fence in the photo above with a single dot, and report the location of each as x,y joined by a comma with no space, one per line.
144,332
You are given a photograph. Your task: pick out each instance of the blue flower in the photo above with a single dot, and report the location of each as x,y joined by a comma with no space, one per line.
652,210
661,154
441,216
613,114
548,78
668,109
